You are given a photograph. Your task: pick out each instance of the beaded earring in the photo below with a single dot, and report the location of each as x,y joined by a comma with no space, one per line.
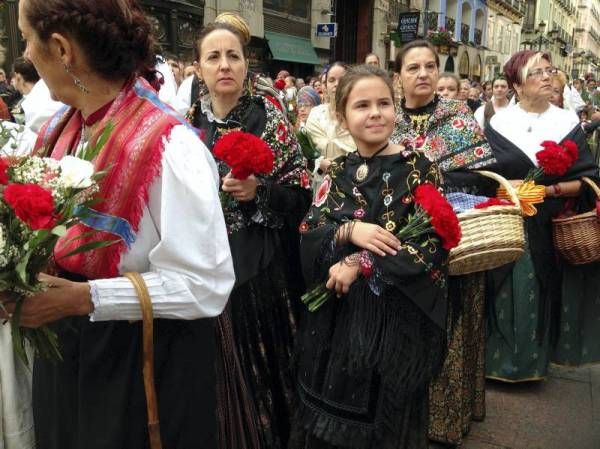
76,80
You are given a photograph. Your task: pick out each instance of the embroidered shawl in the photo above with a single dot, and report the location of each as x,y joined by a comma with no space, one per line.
452,137
258,228
132,156
365,359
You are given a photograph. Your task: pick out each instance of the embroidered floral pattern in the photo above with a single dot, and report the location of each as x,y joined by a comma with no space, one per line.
322,191
452,137
338,201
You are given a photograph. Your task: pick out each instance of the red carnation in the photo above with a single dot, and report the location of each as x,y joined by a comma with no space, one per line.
3,171
245,154
279,84
443,218
32,204
553,159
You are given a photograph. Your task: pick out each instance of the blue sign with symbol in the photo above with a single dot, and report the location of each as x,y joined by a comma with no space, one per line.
327,29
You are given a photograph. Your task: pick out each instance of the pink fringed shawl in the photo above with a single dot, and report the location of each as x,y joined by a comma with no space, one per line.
132,155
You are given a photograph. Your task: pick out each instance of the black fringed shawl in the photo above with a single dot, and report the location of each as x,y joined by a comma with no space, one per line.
513,163
362,356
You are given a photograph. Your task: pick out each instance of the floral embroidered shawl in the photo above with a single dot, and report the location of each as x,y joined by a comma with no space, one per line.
452,139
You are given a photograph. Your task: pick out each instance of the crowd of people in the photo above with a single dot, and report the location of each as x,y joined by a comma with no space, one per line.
400,352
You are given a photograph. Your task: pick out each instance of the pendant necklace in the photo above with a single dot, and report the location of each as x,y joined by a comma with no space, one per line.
536,119
363,169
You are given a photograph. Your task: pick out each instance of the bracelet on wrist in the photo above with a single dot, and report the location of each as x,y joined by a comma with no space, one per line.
365,263
557,189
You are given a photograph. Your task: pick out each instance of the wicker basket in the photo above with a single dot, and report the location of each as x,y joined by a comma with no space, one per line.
577,238
491,237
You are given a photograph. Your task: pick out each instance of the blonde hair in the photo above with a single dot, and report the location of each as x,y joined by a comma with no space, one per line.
561,78
237,22
531,62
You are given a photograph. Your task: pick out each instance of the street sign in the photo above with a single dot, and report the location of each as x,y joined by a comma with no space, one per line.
327,29
408,26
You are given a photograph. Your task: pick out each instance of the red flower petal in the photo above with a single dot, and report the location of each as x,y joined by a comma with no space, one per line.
32,204
443,218
245,154
3,171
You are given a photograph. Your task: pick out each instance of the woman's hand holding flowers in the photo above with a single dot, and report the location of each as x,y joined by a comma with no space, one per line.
62,298
241,190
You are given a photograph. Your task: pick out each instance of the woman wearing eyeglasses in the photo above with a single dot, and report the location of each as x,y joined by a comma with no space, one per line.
527,295
446,131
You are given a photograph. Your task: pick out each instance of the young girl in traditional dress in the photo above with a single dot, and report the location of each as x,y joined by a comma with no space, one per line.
366,356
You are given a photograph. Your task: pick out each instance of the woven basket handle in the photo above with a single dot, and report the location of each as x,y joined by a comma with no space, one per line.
592,184
504,183
148,347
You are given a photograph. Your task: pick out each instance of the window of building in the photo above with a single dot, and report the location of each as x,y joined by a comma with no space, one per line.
299,8
490,33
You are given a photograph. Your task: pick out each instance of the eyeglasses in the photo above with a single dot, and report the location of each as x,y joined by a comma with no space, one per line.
539,73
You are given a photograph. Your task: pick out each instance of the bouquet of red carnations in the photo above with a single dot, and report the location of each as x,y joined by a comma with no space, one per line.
553,160
40,198
433,213
245,154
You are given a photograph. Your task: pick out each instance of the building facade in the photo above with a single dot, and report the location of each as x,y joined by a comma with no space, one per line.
283,31
586,44
465,19
504,24
549,26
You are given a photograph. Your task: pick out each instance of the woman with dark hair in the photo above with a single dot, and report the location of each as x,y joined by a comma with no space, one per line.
162,180
446,131
497,102
527,294
262,214
192,88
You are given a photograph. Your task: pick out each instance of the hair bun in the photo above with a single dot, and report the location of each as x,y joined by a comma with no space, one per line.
236,21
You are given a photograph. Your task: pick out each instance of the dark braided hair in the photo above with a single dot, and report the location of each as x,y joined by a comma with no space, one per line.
115,35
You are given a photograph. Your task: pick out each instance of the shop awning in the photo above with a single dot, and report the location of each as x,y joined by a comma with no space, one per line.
291,48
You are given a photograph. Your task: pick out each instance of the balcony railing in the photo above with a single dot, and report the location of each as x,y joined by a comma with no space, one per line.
450,24
517,6
396,7
478,35
432,21
464,33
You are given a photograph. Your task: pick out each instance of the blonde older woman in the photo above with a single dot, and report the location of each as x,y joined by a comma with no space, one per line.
528,292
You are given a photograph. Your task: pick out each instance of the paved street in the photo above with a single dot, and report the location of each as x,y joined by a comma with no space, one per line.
561,413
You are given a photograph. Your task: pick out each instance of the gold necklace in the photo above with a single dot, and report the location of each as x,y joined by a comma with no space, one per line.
419,122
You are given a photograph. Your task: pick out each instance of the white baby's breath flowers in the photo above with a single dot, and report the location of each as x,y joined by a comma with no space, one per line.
35,170
75,173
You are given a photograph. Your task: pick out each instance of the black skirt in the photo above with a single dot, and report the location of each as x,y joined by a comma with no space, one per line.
94,398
